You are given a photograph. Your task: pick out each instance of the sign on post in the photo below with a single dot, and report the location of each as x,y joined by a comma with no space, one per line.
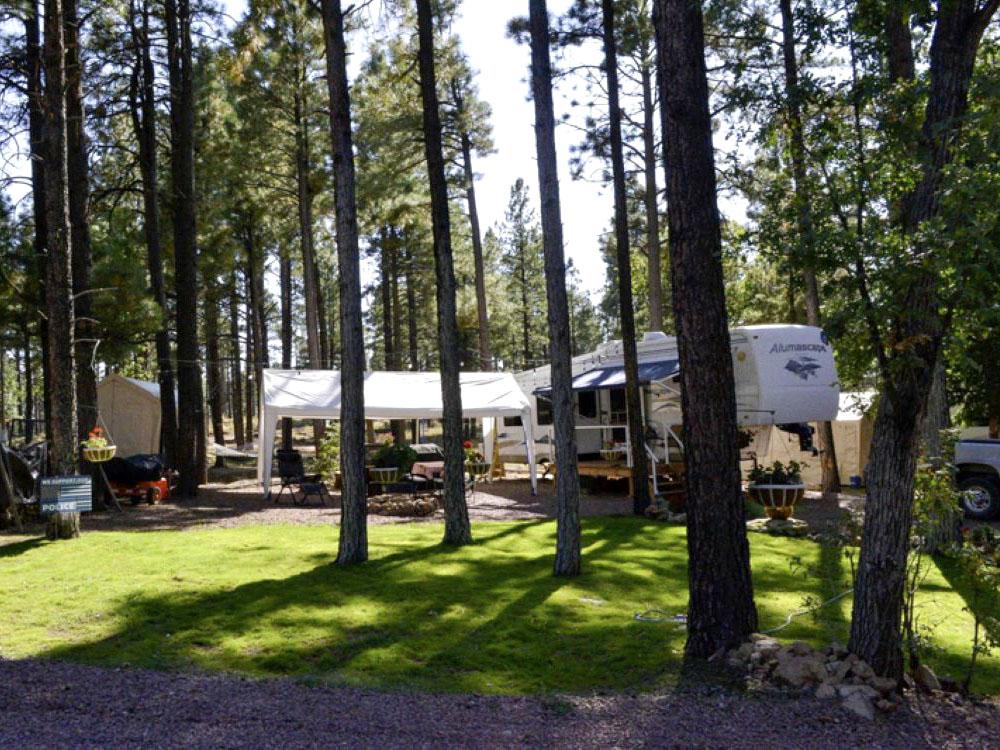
71,494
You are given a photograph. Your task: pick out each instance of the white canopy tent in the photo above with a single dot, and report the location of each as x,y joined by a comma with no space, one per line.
316,394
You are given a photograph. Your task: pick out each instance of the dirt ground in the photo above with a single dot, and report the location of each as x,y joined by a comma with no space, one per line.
54,704
233,499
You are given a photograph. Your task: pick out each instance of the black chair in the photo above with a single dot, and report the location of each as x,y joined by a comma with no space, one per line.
301,486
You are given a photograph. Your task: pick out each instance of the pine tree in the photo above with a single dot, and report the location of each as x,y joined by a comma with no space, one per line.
567,561
721,611
354,498
457,530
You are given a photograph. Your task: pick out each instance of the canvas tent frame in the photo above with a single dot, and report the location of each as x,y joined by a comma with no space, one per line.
316,394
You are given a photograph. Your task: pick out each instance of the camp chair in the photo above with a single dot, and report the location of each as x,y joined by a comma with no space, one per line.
301,486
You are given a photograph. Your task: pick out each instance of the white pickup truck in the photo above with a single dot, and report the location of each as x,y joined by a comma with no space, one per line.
978,463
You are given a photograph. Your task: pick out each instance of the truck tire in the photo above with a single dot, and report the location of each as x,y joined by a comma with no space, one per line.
981,498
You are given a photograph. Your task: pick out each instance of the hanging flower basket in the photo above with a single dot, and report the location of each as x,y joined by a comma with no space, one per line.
778,499
98,454
96,447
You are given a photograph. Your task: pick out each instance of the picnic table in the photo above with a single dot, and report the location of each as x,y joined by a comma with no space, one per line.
428,469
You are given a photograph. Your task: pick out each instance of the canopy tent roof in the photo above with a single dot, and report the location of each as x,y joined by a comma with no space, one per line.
614,377
316,394
390,395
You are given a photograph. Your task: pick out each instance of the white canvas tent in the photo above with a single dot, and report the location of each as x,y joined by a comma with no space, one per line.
130,410
852,437
316,394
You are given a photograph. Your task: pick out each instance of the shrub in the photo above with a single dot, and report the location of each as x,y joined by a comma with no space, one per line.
777,473
328,457
392,454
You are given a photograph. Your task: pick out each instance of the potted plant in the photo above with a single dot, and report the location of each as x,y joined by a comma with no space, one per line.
777,487
392,459
96,448
611,452
474,463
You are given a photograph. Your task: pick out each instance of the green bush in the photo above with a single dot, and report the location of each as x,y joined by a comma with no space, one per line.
777,473
328,456
395,455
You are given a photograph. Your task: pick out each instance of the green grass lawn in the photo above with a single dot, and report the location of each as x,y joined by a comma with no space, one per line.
489,618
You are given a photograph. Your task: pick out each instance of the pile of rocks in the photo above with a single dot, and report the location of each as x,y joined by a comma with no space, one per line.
659,510
402,505
832,673
779,526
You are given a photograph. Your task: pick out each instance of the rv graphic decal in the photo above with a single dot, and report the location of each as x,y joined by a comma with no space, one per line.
804,367
783,348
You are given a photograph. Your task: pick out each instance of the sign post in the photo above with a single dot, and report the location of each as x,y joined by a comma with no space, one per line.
65,497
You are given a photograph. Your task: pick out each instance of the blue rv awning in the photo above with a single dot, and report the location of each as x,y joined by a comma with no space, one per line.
614,377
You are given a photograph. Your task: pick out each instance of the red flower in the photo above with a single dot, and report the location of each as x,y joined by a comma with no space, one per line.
467,444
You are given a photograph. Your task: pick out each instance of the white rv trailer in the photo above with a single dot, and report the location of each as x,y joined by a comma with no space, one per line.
785,375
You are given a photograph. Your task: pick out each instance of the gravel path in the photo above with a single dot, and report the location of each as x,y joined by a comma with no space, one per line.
52,704
241,503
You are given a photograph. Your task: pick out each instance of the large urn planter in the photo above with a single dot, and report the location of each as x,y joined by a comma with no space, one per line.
778,499
477,468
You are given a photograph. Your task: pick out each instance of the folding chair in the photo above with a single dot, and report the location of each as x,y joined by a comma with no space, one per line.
301,486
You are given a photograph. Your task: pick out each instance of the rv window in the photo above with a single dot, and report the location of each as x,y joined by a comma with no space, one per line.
511,421
544,410
587,401
617,399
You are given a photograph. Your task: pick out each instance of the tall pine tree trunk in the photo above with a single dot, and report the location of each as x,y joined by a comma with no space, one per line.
806,255
310,276
79,209
878,589
143,106
633,392
651,203
354,503
285,272
567,561
457,530
482,315
190,404
256,316
250,359
721,611
213,370
411,313
237,374
29,386
39,202
59,307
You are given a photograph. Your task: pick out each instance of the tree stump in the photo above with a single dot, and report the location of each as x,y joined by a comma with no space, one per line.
63,526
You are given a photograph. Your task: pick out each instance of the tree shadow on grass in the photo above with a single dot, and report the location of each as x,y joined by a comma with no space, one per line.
19,548
489,617
431,617
988,605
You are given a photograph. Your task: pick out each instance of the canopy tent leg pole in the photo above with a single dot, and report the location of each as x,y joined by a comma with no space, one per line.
529,449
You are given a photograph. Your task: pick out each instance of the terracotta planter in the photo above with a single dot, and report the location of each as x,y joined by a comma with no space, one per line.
778,499
99,455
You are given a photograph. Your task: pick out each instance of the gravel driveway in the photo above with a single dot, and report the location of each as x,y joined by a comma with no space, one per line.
52,704
241,503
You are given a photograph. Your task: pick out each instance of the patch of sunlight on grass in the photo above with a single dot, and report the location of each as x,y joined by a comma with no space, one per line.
267,601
